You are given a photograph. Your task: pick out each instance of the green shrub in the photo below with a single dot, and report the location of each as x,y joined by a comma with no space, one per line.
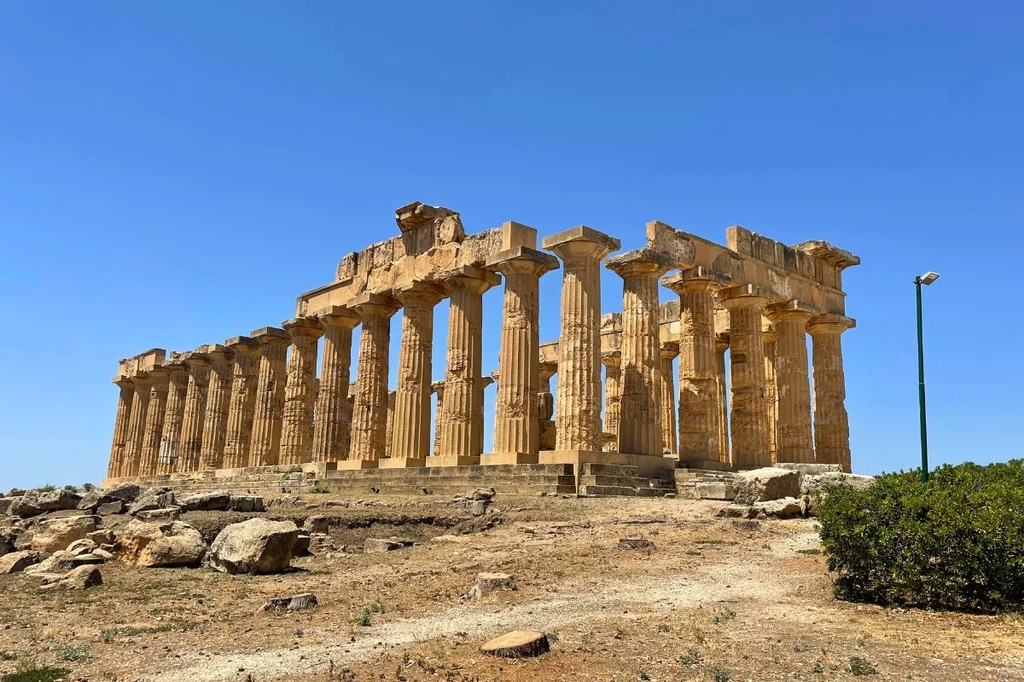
956,542
30,671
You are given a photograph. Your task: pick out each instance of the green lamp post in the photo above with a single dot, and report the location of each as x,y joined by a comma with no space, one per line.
926,279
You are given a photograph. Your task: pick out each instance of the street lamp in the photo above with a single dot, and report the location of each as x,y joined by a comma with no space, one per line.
926,279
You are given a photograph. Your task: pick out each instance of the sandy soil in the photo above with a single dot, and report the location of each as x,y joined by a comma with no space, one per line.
715,600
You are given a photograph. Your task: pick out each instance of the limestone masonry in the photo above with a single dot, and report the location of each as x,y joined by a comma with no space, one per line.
747,394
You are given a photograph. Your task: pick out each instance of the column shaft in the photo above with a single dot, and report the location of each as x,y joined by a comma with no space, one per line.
723,400
437,388
126,393
612,393
771,395
793,428
154,428
749,423
411,438
333,427
174,415
218,399
268,412
136,426
195,413
300,391
831,423
369,411
667,386
242,406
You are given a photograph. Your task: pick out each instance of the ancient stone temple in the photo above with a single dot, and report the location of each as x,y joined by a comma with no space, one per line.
285,400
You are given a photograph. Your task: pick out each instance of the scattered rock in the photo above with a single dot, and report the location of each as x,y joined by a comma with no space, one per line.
479,507
17,561
254,546
80,578
82,546
215,500
58,499
5,504
298,602
167,514
68,562
103,554
486,583
247,503
102,537
374,545
786,508
24,506
91,501
518,644
812,484
50,564
153,498
8,538
301,544
16,492
636,543
108,508
159,545
54,534
318,524
715,490
769,483
126,492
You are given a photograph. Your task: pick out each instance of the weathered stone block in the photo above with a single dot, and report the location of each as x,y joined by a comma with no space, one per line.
761,485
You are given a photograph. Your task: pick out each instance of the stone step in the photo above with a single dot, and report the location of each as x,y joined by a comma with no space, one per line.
607,491
595,469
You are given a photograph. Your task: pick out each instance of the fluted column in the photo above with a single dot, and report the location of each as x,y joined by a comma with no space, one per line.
578,403
268,411
667,385
154,427
174,415
136,425
463,396
516,433
831,423
333,427
640,425
126,393
218,399
749,423
612,361
793,427
721,346
483,383
770,389
437,388
411,439
300,391
242,404
369,411
389,426
195,412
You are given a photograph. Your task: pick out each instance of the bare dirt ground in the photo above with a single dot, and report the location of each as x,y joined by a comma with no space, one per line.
715,600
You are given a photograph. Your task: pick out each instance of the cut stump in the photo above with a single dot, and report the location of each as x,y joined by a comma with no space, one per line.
518,644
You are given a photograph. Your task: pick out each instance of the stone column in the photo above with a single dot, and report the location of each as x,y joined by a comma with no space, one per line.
640,421
300,391
831,423
578,403
136,425
457,422
369,411
174,415
516,436
484,382
333,427
612,361
195,412
218,399
770,389
667,384
411,439
126,394
749,423
389,427
722,345
546,407
699,386
242,405
793,428
437,388
268,412
154,427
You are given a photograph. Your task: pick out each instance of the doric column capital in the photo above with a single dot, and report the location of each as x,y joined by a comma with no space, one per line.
123,381
721,342
830,323
548,370
580,242
176,366
611,358
338,316
420,294
303,326
522,260
639,262
474,279
484,382
243,346
270,336
791,310
217,353
745,295
196,358
695,280
438,388
159,373
669,349
374,304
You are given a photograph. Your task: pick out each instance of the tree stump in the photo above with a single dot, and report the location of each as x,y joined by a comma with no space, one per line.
518,644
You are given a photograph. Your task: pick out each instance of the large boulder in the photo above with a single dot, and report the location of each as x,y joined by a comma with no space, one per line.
91,500
80,578
214,500
810,485
17,561
785,508
5,504
153,498
160,545
247,503
54,500
763,485
254,546
25,506
8,536
55,534
126,492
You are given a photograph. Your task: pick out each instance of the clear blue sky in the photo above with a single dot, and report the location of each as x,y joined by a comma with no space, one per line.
175,173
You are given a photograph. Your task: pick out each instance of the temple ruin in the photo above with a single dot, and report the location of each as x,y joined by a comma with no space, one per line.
620,421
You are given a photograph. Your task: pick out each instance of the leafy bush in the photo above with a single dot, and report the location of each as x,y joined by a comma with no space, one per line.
30,671
956,542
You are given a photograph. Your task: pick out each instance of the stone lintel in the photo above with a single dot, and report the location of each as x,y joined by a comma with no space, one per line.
781,311
638,262
242,342
582,233
338,315
522,254
669,349
215,351
417,214
833,255
611,358
697,276
265,334
550,352
830,322
735,295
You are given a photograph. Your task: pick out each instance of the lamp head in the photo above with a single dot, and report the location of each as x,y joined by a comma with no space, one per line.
929,277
